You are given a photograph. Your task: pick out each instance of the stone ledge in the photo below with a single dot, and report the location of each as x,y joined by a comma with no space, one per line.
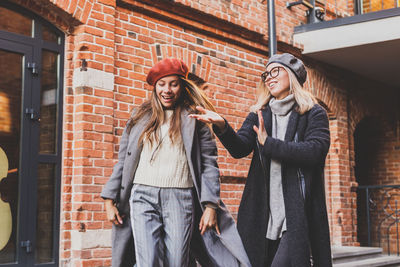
93,78
90,239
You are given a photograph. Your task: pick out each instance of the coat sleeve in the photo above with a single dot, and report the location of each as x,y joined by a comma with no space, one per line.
113,185
311,151
242,143
210,184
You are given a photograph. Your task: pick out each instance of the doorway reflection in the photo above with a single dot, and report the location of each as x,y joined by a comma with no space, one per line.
10,131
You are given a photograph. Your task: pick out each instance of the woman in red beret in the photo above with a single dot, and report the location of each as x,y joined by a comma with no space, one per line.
163,195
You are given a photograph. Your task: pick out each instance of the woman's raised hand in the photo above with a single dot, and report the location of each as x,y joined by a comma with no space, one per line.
209,116
261,132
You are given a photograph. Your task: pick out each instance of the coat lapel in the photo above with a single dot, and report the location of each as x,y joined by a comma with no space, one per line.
134,136
188,126
187,130
292,125
267,116
133,148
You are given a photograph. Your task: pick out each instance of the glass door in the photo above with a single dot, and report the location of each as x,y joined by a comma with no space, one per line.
14,152
31,58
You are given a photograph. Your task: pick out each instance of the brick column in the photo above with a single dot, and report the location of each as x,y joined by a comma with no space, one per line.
89,118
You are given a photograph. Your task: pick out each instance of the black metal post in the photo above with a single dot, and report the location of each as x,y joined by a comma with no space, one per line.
358,7
386,213
397,226
272,44
368,219
312,17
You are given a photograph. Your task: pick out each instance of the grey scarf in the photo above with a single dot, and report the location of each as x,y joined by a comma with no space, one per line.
283,106
281,110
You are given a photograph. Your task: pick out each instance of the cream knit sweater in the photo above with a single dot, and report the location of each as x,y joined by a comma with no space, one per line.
164,164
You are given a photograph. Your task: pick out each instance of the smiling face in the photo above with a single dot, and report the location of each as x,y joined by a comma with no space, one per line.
168,90
278,86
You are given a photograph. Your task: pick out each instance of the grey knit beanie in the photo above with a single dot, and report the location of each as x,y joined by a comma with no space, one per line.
293,63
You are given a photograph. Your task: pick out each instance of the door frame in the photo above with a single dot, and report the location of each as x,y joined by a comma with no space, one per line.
24,150
30,158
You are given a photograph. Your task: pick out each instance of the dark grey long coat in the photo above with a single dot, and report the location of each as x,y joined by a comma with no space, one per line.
306,219
210,249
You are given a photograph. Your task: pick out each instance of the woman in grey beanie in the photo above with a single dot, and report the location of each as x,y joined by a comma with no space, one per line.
282,217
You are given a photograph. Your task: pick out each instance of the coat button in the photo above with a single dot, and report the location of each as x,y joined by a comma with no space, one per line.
129,153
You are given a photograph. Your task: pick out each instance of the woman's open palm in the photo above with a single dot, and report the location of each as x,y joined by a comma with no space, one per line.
208,116
260,130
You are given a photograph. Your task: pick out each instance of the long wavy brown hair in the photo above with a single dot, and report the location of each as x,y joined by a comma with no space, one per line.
190,97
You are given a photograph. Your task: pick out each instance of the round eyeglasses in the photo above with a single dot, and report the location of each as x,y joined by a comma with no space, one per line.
274,72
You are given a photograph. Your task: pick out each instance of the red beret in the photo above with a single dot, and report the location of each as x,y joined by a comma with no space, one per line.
166,67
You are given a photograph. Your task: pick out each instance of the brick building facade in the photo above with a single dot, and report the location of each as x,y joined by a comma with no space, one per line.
111,44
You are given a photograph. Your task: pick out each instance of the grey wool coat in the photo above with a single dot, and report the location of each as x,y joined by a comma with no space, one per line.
306,216
210,249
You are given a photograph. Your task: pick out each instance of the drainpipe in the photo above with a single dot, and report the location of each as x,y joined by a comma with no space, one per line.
312,17
272,44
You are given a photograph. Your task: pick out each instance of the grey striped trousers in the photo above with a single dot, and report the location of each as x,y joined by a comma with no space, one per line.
162,224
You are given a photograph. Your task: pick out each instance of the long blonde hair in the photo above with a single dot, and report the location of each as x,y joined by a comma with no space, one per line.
190,97
304,99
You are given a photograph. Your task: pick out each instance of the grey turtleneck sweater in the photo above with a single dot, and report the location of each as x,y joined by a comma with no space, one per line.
281,110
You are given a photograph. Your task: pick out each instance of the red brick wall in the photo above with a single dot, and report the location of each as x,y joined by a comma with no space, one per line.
341,201
374,118
65,15
252,14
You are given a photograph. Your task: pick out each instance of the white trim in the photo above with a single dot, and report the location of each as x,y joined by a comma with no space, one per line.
362,33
